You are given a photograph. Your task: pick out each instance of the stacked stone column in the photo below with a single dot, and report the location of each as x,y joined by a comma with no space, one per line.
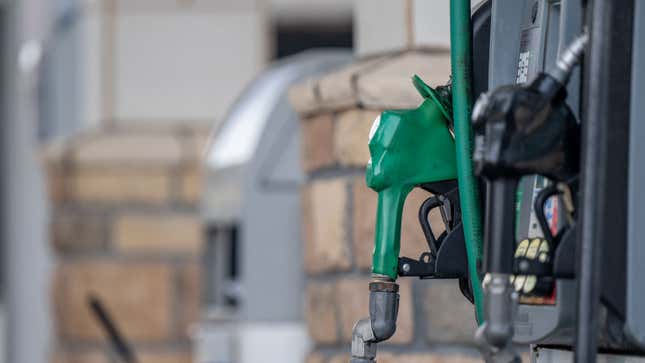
125,228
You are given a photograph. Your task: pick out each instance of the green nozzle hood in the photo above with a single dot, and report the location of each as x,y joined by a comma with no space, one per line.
407,148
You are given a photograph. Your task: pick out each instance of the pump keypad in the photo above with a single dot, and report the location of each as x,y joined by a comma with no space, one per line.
532,265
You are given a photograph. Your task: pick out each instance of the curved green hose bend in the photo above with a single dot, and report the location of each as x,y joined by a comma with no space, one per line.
461,64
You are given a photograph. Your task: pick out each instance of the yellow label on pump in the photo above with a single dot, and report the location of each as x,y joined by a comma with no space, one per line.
530,287
521,248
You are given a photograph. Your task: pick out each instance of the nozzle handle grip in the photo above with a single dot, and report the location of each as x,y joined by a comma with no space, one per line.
387,238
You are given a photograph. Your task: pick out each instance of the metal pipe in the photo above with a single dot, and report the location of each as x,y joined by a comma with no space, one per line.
605,72
588,275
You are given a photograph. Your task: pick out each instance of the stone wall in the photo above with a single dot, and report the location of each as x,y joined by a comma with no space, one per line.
436,324
125,228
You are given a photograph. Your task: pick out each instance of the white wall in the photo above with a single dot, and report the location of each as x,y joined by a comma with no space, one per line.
395,25
175,63
311,11
167,61
179,61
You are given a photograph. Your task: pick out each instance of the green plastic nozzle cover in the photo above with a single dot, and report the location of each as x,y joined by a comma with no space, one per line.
407,148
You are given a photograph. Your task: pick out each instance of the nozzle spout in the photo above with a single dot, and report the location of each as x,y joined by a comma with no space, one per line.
381,324
569,58
363,344
384,309
494,337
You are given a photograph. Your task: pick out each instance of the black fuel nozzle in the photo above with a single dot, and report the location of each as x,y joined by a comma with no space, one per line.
523,130
519,130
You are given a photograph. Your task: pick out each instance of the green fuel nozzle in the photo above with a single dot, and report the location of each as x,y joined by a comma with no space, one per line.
408,148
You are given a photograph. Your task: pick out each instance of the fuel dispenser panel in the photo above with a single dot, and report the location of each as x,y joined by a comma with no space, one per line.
526,39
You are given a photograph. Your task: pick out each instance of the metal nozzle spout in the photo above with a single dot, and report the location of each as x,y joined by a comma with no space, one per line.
495,335
381,324
569,58
363,342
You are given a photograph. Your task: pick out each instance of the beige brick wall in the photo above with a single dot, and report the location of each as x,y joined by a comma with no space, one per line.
435,323
125,228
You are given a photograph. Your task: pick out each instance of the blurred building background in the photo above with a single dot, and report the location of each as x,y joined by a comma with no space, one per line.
110,108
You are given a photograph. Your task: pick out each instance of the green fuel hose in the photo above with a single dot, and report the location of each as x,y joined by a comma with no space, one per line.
461,64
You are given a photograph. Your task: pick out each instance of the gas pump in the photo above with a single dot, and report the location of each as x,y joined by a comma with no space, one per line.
559,143
560,252
527,39
393,175
417,148
522,130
